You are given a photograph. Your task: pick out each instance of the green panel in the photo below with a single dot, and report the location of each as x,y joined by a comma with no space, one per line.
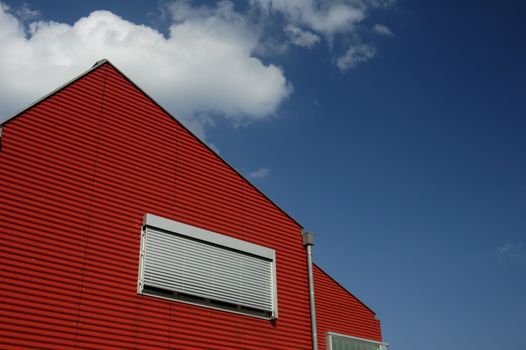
339,343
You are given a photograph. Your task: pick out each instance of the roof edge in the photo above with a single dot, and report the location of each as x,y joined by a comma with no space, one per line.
61,87
104,61
342,287
200,141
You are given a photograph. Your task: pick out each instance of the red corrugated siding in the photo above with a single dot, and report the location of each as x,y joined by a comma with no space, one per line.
339,311
78,171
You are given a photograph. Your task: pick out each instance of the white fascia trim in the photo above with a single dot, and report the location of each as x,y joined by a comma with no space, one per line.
208,236
334,334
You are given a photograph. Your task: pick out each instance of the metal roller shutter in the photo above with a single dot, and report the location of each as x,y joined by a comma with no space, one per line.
343,342
177,262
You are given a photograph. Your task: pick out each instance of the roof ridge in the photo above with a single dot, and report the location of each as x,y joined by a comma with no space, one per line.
101,62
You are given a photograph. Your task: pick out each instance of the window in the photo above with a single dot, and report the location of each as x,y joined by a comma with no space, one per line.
197,266
344,342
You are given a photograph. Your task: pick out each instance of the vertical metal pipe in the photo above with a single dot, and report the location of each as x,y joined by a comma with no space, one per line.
308,242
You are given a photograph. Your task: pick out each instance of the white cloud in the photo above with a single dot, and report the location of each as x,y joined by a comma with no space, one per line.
326,17
383,30
380,3
306,22
301,37
203,67
356,54
510,250
26,13
260,173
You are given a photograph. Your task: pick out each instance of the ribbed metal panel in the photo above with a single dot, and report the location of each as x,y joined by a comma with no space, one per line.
78,172
180,264
339,311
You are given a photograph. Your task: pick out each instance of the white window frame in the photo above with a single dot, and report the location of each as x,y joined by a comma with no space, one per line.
330,335
206,236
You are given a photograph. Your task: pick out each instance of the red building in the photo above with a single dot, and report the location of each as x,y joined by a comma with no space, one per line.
121,229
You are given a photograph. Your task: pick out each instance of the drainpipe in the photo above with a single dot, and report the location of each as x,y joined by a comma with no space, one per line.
308,242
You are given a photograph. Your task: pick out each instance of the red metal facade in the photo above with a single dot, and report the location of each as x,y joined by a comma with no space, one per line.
78,172
339,311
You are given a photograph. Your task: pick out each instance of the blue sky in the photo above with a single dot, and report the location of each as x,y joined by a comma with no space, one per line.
395,130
